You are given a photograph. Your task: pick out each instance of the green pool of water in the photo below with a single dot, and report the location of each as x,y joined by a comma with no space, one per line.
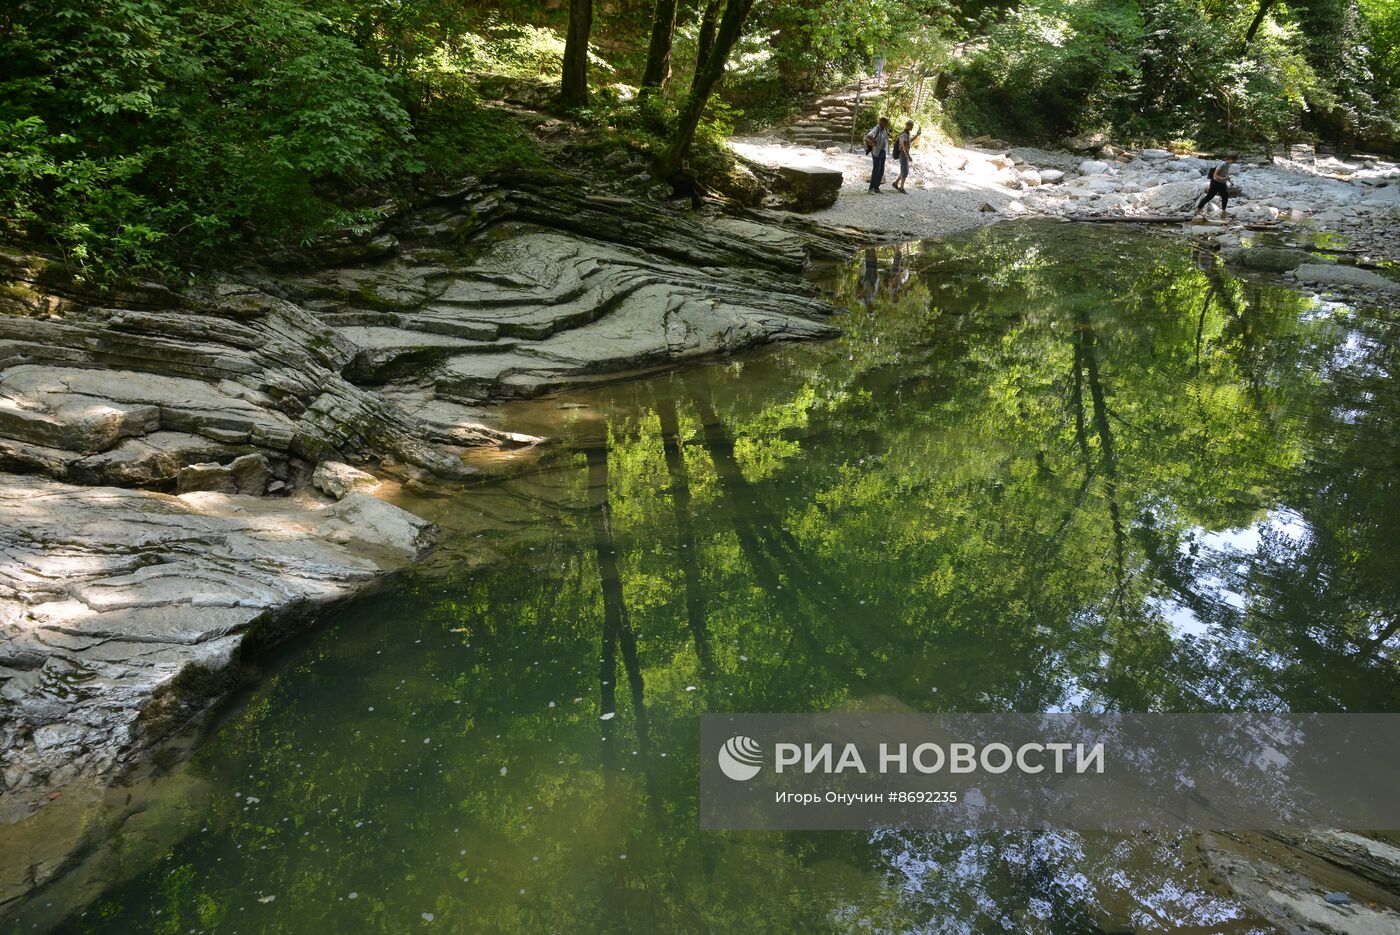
1046,468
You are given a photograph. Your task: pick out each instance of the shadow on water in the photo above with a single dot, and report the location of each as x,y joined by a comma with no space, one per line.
1044,469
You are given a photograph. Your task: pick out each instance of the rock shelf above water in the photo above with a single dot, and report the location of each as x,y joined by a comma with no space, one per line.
109,596
373,348
482,293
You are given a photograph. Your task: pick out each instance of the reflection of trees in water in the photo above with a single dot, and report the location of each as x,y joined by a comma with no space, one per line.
1175,380
1050,428
1110,421
617,628
685,533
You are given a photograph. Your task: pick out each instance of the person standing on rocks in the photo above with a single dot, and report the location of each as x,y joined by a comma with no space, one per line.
902,146
877,144
1219,185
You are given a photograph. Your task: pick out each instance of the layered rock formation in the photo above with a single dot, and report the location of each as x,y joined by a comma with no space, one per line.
110,597
373,348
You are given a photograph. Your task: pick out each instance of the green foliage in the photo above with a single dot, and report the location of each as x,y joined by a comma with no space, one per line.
1155,70
1383,25
140,135
647,124
817,41
1051,67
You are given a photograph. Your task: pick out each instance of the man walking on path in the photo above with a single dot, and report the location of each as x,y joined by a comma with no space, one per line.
877,144
1219,185
902,144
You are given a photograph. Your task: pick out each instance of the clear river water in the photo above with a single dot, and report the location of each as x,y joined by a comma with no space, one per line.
1046,468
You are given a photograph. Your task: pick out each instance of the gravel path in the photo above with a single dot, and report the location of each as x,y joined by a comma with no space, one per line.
952,189
948,188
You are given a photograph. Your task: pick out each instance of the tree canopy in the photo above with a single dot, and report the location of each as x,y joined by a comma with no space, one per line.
142,136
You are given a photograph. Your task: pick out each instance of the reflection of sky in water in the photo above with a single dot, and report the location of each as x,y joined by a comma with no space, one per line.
1237,546
947,873
937,527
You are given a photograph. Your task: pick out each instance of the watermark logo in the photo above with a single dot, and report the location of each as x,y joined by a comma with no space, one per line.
840,770
740,758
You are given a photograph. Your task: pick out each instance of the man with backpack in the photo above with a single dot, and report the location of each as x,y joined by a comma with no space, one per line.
877,144
1219,185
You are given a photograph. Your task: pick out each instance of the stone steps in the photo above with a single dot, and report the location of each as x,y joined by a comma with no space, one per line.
834,118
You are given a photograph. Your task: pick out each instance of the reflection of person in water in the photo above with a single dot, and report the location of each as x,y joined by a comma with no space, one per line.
869,280
1204,257
898,276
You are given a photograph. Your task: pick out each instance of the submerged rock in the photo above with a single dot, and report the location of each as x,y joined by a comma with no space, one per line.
1328,274
1333,882
1268,259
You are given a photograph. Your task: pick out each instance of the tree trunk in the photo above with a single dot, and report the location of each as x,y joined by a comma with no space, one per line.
1264,7
663,32
709,22
574,87
708,71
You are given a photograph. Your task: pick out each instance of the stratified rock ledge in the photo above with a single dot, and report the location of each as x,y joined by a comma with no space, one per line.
378,348
112,599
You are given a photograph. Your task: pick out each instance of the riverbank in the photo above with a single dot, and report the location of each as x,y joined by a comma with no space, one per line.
230,436
1348,208
184,466
720,536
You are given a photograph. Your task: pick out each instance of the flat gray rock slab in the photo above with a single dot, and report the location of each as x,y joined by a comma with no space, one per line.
1329,274
109,595
180,403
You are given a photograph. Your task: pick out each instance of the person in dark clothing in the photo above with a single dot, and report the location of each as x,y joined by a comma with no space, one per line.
877,144
1219,185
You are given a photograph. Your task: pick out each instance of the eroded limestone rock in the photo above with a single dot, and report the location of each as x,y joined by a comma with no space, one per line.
109,596
483,292
337,479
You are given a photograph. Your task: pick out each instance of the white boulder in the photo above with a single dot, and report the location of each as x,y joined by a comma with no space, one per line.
338,479
1101,184
1174,196
1387,197
1093,167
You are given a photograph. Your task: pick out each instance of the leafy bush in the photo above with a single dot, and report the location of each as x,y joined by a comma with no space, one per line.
142,135
141,132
